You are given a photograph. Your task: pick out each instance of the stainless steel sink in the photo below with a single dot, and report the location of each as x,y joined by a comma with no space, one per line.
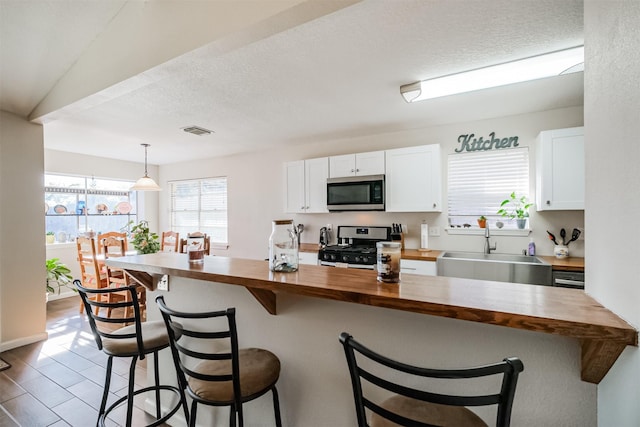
498,267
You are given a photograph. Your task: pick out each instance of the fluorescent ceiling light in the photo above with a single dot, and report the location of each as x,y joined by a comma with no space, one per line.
533,68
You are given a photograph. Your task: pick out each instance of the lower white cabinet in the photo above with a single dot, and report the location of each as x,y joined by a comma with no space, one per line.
413,179
310,258
422,268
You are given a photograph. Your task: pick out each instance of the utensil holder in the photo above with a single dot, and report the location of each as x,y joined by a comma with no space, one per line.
561,251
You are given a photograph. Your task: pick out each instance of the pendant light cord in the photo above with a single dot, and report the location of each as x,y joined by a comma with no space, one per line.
145,159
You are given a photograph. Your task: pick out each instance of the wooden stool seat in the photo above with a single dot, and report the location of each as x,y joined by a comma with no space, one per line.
259,370
428,413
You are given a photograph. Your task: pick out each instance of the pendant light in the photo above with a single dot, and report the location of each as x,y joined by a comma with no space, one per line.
145,183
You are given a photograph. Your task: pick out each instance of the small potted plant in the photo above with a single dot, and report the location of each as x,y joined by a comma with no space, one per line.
143,239
58,275
482,221
50,237
516,207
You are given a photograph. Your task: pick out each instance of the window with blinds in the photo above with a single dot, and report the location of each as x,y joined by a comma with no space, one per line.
200,205
479,181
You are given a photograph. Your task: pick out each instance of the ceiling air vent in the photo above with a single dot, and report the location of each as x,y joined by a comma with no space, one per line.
196,130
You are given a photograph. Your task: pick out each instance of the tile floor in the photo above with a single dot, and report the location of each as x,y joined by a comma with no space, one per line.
59,382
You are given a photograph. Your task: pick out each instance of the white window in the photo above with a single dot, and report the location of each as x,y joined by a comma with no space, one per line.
76,204
200,205
479,181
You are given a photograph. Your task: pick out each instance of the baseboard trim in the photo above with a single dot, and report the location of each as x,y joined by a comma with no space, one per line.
10,345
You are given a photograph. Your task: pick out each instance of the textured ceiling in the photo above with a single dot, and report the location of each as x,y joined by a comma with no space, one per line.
335,76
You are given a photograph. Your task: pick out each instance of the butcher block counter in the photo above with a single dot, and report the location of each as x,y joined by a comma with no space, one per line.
560,311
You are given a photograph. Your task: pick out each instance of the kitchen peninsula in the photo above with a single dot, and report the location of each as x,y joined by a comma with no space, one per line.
566,340
602,334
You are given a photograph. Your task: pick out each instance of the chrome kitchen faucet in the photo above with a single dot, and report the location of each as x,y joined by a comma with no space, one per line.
487,244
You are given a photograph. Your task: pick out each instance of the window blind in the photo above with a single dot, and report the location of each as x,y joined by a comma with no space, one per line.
479,181
200,205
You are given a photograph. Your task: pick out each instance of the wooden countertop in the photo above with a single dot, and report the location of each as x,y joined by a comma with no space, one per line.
565,264
561,311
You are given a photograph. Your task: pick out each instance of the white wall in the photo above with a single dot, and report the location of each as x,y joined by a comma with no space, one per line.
22,255
612,101
256,189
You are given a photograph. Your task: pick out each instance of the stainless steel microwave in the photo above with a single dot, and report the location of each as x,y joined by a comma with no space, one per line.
356,193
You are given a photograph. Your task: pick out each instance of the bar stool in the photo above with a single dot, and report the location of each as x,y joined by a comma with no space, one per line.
136,340
228,378
412,406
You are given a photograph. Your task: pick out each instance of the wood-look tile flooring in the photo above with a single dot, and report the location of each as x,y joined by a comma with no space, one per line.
59,382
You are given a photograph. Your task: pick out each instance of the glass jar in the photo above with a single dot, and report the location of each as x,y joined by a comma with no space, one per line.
388,261
283,246
195,248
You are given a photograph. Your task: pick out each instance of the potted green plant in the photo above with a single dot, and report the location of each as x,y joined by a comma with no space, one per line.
58,275
516,207
482,221
50,237
143,239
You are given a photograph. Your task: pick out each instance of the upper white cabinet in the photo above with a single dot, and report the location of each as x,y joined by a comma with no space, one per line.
413,179
306,182
371,163
560,169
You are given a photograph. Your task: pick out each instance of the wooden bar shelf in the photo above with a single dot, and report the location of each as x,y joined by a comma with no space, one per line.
559,311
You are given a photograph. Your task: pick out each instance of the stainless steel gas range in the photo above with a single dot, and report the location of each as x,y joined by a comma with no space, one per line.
356,247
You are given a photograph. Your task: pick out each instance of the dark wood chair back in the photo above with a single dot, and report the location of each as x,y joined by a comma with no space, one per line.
411,404
230,377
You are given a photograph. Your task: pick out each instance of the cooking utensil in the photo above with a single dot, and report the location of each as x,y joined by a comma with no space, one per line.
552,237
563,234
574,235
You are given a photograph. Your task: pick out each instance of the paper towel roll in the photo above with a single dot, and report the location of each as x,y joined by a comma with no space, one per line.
424,236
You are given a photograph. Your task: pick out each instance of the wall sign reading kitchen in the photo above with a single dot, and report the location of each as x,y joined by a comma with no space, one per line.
468,143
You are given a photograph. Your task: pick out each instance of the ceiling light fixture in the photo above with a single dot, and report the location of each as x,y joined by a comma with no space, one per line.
145,183
533,68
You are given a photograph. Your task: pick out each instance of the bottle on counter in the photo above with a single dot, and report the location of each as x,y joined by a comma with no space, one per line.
531,251
283,246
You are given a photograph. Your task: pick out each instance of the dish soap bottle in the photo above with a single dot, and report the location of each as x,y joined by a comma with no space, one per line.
532,248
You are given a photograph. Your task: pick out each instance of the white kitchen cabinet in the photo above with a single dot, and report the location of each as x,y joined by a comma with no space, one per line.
306,186
371,163
413,181
422,268
560,169
309,258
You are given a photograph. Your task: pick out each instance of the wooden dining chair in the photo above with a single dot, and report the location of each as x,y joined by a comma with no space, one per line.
115,234
170,241
114,247
91,273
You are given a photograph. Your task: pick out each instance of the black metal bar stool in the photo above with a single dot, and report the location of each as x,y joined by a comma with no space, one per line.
219,378
411,405
128,337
